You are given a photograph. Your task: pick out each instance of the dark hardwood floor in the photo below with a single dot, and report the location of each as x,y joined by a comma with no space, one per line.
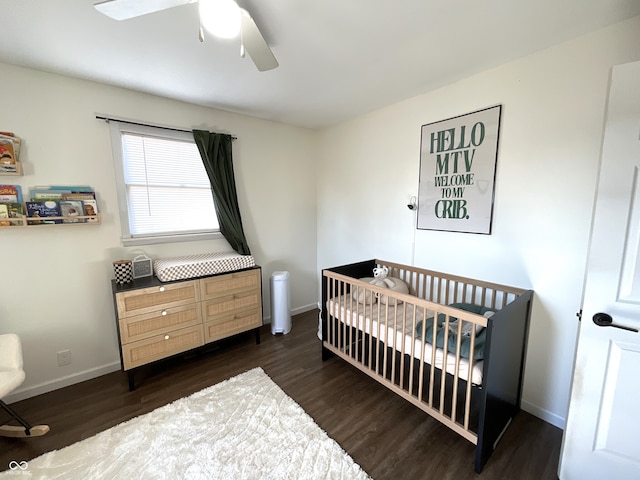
387,436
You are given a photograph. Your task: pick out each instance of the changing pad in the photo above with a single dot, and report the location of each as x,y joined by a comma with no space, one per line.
192,266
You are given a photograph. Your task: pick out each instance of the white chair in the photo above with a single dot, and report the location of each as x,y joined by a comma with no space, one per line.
11,377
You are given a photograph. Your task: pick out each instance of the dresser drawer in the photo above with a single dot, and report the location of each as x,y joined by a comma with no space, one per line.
155,323
147,300
225,326
231,304
229,284
157,347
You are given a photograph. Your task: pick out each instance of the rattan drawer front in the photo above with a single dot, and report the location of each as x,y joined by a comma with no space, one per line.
230,305
147,300
154,348
229,325
155,323
223,285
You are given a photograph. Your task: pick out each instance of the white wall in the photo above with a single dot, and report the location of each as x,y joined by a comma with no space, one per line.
57,292
552,120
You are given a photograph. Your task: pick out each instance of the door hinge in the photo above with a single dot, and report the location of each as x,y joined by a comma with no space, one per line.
579,315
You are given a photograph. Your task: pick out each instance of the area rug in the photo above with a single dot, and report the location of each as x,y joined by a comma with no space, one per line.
243,428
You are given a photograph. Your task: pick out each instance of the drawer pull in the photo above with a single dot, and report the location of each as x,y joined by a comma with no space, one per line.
166,337
164,313
162,289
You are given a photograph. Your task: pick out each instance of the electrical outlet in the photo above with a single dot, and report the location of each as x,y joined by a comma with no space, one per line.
64,358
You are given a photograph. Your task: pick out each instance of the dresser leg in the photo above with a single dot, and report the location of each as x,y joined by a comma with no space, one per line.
132,384
257,336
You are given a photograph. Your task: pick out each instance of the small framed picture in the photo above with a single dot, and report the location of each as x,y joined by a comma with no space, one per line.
142,266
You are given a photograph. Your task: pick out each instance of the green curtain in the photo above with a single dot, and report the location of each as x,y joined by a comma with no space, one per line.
215,150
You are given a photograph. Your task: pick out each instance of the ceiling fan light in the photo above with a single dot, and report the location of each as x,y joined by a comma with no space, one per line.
220,17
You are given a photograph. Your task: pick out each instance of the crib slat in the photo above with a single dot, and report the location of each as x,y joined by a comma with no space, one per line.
447,284
443,377
348,328
343,334
378,343
456,372
386,326
391,341
331,319
431,291
423,336
329,312
402,346
413,348
424,294
467,403
338,325
371,337
432,372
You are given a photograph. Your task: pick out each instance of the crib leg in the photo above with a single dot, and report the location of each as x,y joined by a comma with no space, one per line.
327,354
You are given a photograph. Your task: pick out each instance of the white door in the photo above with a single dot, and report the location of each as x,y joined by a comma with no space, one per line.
602,438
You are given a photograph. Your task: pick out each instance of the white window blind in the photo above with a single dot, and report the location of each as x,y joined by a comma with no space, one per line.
165,187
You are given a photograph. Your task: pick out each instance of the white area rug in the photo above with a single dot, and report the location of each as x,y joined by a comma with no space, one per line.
243,428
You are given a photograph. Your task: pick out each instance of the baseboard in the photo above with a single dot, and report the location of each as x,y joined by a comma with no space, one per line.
546,415
303,309
50,386
295,311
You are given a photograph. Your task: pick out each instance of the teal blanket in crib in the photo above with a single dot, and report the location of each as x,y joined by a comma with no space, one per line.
452,340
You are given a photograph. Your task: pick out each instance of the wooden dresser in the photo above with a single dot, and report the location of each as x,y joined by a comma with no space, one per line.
156,320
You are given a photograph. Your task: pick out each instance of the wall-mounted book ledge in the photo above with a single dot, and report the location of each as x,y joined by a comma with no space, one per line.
41,221
49,205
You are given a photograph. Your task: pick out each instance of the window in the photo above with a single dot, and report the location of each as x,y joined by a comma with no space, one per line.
164,192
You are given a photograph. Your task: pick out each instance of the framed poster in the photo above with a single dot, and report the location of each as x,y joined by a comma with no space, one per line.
457,172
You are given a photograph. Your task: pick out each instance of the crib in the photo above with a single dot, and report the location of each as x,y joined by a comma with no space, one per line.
452,346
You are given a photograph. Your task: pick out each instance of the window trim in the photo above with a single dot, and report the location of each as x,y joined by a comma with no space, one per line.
117,128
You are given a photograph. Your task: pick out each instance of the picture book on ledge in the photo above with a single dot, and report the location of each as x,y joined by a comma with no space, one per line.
11,206
42,210
9,153
10,194
72,209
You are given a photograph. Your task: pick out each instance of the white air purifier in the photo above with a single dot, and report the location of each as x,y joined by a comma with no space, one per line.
280,303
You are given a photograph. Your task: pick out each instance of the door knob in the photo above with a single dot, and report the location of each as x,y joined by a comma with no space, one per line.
605,320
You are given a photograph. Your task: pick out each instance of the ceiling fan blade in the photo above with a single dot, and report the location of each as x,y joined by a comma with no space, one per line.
125,9
255,44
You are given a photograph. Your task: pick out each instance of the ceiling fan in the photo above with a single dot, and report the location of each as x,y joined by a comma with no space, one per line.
222,18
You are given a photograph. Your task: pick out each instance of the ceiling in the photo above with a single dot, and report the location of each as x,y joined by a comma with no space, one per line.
338,58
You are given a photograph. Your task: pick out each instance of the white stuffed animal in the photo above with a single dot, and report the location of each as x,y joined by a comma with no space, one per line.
391,283
379,279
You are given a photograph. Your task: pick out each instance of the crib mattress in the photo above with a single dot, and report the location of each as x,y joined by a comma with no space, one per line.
365,318
193,266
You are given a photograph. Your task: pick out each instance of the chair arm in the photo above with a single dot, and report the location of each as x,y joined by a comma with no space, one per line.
10,352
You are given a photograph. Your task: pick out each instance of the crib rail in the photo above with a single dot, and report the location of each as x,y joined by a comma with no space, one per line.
444,289
394,337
